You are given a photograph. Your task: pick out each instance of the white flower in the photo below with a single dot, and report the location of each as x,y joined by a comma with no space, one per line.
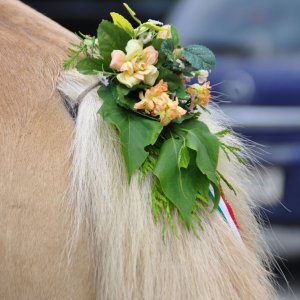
181,64
103,79
145,37
156,22
202,76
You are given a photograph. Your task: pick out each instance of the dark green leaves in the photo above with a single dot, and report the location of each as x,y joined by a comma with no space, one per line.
89,66
135,132
180,179
111,37
200,57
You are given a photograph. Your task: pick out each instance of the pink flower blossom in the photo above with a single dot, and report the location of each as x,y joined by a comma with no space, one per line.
137,65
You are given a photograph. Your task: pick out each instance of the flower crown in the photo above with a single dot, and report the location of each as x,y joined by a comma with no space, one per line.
145,87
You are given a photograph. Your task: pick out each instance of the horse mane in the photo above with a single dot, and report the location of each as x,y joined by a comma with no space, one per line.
132,260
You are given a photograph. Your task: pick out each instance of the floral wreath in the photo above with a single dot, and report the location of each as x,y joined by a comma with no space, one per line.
145,86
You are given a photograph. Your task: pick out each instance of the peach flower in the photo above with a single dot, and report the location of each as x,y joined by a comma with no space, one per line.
172,112
200,94
157,102
137,65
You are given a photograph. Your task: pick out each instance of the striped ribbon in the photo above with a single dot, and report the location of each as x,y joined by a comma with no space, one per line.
226,211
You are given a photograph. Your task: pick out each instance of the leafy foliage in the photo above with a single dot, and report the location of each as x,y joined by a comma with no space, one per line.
123,23
173,80
135,131
90,66
206,145
175,36
75,51
110,38
180,185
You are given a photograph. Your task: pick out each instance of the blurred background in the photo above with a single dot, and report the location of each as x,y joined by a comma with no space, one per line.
256,81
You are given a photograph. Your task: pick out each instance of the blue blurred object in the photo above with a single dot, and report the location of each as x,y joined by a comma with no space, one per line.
256,80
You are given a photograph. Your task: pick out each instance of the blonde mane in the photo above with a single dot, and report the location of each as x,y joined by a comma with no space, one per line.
132,261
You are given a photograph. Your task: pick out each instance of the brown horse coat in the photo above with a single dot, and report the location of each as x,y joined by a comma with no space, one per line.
35,135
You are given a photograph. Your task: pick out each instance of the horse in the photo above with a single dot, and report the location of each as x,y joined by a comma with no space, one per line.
71,225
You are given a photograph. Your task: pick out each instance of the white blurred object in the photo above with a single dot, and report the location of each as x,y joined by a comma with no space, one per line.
264,116
272,189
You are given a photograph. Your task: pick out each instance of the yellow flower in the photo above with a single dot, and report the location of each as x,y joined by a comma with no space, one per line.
200,94
166,33
157,102
137,65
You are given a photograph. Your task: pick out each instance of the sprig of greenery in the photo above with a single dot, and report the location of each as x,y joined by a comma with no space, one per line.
235,152
87,47
227,182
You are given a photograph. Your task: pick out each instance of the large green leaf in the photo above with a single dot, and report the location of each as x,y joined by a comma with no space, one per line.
180,185
199,57
111,37
89,66
135,132
199,138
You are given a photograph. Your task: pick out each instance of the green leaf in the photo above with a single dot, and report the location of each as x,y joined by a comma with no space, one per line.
123,23
181,93
132,13
152,26
184,157
89,66
175,36
186,117
167,47
123,99
199,138
180,185
111,37
156,43
200,57
135,132
173,80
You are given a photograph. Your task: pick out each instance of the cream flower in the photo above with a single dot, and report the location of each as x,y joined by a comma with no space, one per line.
157,102
202,76
200,94
137,65
166,33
